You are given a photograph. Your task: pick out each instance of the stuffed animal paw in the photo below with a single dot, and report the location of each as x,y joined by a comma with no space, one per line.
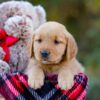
4,67
2,53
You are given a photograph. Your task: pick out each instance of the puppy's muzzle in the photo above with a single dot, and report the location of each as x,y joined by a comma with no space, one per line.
45,54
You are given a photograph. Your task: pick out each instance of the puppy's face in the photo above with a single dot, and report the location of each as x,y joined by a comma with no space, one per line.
49,47
50,43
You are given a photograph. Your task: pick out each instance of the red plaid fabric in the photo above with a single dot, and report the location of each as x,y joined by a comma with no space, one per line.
15,87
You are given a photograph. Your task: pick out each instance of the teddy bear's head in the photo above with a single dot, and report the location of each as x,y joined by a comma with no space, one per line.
20,18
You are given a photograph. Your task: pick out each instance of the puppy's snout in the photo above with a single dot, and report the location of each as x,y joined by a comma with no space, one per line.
45,54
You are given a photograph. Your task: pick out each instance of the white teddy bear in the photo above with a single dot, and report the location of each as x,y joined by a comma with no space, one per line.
19,19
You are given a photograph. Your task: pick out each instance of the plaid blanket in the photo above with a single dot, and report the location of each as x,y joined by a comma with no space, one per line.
15,87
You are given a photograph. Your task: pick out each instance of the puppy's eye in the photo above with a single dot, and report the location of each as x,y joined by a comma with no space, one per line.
39,40
57,42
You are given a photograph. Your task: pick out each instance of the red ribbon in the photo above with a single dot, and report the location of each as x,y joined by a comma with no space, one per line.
5,42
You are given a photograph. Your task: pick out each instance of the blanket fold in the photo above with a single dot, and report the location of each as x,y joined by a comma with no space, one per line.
14,86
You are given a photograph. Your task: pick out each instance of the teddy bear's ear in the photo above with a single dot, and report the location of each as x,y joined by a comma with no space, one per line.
41,14
30,46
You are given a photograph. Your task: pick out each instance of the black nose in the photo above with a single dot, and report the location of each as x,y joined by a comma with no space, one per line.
44,54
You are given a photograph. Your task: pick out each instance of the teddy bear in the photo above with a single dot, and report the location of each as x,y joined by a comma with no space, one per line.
18,20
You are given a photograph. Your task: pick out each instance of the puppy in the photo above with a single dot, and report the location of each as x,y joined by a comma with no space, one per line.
52,50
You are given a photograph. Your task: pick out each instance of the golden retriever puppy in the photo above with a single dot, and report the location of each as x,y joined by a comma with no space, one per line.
52,50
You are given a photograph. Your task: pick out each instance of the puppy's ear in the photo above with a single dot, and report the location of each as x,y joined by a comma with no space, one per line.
72,48
30,46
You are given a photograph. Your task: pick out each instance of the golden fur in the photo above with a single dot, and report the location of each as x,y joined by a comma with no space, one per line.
54,38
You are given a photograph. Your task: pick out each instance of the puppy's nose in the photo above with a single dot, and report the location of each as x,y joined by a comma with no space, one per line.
44,54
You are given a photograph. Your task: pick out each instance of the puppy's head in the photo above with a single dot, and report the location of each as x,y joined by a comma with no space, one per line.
52,43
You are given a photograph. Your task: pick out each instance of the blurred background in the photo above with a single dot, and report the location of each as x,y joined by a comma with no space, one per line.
82,19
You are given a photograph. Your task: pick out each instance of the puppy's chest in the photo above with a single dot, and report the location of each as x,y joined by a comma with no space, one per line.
51,69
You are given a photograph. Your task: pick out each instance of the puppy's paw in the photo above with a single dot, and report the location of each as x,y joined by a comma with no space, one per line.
36,81
65,81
